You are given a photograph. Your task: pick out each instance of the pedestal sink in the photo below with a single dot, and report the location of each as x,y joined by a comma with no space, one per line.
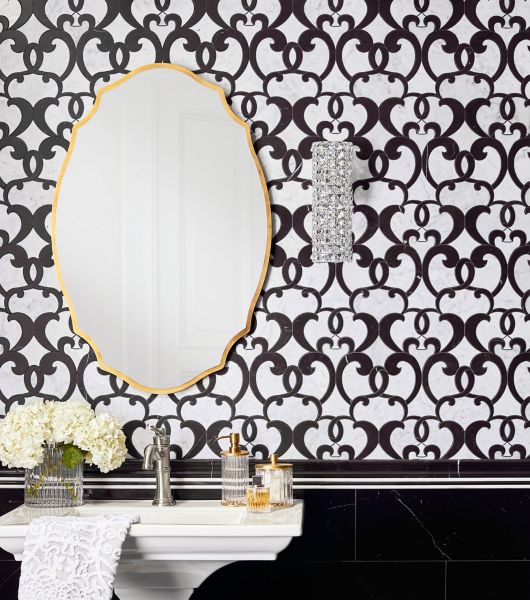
173,549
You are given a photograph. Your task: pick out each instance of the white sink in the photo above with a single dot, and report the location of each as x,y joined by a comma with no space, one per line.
173,549
184,513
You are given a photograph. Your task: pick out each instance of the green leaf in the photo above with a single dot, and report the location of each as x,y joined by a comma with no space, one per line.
72,455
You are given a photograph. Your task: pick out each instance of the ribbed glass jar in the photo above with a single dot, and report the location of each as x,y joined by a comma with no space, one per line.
235,479
51,484
280,483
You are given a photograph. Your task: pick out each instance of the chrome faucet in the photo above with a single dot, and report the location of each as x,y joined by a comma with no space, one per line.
156,456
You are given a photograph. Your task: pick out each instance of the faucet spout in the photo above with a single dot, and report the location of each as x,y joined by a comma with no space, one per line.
149,451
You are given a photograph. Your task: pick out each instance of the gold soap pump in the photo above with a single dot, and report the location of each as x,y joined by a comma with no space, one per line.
234,472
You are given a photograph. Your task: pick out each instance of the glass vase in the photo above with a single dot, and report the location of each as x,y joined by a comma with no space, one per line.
51,484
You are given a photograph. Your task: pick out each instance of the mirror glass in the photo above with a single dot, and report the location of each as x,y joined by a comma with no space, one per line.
161,228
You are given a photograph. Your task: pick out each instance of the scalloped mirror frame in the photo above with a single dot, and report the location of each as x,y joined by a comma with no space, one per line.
83,334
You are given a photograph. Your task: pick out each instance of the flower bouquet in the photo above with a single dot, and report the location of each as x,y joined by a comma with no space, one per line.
52,441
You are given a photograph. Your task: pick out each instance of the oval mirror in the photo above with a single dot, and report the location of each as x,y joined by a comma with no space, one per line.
161,228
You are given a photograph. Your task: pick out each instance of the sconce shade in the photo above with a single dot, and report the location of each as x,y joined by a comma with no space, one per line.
332,202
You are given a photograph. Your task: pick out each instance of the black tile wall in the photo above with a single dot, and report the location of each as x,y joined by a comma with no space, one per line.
397,544
506,580
312,580
329,528
9,574
393,525
9,569
443,524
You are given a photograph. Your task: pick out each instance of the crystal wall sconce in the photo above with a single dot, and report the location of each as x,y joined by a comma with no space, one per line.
332,202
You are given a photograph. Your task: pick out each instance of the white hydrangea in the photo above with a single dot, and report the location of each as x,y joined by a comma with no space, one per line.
67,419
105,442
26,429
23,432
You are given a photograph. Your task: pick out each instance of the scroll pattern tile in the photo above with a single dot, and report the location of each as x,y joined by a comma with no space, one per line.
416,349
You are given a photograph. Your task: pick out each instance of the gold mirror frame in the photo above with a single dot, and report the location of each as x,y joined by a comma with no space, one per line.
77,330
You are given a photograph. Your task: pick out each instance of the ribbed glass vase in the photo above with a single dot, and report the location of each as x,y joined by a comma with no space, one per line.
51,484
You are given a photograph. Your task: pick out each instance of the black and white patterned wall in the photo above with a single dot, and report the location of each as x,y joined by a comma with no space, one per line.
416,349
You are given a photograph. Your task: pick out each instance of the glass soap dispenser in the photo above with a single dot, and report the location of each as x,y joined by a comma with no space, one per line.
234,472
278,477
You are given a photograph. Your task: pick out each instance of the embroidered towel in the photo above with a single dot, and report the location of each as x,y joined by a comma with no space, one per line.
72,558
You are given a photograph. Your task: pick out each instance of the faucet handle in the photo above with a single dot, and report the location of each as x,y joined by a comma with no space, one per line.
158,430
161,436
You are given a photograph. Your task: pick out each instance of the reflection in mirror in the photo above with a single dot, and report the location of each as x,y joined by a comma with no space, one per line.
162,228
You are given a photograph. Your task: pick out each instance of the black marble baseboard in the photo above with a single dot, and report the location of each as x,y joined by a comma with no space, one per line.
382,472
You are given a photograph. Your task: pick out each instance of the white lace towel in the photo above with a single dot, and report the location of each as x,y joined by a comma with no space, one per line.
72,558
